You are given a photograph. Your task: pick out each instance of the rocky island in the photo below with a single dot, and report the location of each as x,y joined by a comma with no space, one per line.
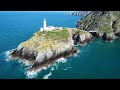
45,47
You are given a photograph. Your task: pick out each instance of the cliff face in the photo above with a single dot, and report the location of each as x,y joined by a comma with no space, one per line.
106,23
81,37
46,46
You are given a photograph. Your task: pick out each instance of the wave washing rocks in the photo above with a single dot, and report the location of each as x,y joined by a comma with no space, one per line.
45,47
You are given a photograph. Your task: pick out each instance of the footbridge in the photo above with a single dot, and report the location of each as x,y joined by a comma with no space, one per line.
92,31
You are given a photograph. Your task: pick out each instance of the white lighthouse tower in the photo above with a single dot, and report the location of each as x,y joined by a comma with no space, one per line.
44,25
49,28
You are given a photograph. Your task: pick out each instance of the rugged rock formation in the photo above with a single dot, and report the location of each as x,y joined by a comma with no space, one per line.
82,37
45,47
106,23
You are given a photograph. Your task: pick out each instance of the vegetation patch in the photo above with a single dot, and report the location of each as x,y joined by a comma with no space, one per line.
106,28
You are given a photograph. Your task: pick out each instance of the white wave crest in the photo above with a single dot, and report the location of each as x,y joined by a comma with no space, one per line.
76,55
56,64
52,69
25,62
33,74
7,55
62,60
47,75
65,69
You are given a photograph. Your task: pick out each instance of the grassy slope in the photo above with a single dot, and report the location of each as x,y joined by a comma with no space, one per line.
105,26
44,40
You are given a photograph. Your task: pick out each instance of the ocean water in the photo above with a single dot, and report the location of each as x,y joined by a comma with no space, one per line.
96,60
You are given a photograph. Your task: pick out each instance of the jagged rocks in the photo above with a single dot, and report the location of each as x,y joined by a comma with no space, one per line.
23,53
82,37
48,61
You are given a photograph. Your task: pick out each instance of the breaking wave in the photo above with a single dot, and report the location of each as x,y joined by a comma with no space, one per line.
6,55
25,62
61,60
33,74
47,75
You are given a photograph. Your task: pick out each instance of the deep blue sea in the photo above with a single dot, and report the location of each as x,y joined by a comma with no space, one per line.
96,60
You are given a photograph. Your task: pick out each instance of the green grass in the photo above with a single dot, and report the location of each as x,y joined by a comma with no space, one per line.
61,34
106,25
106,19
40,33
55,34
117,13
106,28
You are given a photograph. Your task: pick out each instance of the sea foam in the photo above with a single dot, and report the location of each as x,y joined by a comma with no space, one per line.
47,75
61,60
6,55
25,62
33,74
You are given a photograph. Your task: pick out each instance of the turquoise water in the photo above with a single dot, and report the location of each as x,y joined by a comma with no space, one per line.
98,59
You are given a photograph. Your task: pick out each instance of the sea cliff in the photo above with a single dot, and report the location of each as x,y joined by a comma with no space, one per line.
105,23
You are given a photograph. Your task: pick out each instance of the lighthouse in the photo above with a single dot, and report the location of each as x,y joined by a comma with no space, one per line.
49,28
44,25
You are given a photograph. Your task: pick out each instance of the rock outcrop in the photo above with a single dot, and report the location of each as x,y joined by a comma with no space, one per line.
45,47
106,23
81,37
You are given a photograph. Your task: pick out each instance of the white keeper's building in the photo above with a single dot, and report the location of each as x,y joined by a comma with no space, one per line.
49,28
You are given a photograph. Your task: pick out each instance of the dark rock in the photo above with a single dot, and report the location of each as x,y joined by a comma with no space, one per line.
104,37
26,54
95,34
52,59
117,34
